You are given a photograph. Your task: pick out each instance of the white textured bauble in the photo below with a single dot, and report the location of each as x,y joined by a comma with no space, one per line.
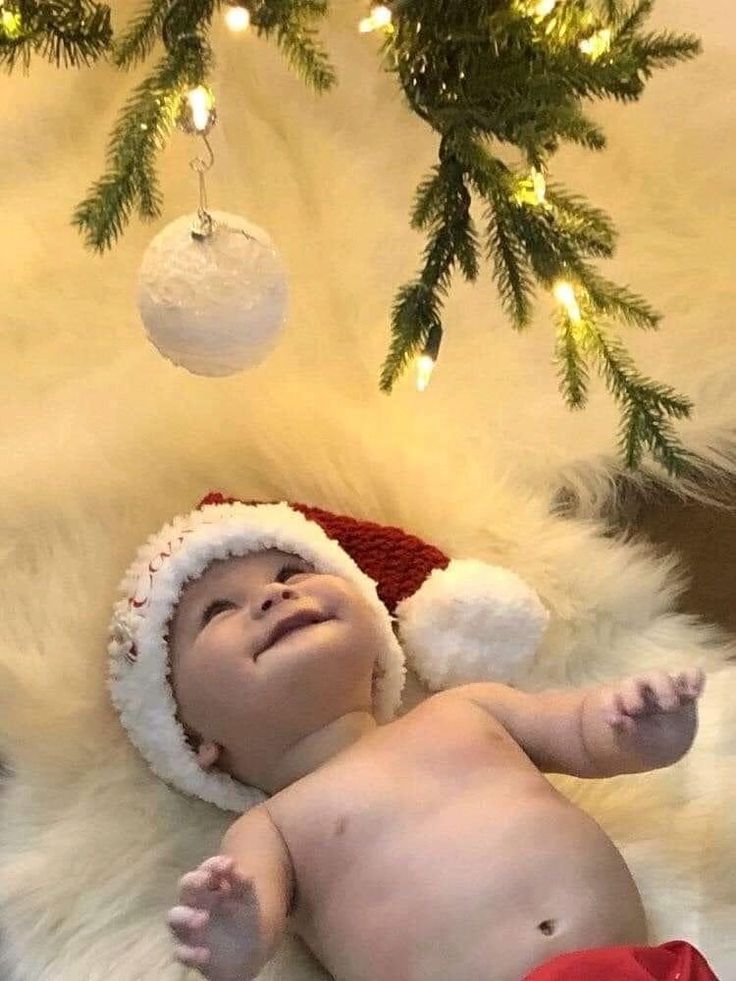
213,305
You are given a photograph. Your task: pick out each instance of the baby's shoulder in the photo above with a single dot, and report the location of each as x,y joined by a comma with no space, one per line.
453,703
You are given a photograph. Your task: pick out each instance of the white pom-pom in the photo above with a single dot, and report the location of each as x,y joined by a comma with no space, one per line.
471,622
213,305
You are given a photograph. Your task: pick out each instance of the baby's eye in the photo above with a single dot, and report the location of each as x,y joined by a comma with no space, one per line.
288,571
213,609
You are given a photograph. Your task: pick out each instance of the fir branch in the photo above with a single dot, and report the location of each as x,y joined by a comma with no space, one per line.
452,241
146,120
487,173
611,300
306,56
572,370
627,22
581,220
67,33
510,267
289,21
646,404
570,124
141,34
428,200
415,312
467,250
140,132
663,49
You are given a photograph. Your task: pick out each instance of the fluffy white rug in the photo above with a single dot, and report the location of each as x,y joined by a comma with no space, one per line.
91,844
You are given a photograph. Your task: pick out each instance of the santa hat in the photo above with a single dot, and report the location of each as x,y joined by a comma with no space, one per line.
457,620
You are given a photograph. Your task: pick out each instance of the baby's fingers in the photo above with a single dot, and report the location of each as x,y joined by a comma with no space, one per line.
192,956
218,864
184,921
655,691
198,889
690,684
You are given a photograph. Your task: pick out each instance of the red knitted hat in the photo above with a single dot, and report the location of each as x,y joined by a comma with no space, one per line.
397,562
457,620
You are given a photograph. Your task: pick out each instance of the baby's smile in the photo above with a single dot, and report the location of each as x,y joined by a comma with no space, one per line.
292,622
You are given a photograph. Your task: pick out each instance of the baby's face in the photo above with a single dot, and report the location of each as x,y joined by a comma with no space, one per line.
265,651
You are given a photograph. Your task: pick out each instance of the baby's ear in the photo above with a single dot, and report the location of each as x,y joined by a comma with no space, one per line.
207,754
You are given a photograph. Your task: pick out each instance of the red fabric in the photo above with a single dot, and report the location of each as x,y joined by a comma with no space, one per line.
398,562
674,961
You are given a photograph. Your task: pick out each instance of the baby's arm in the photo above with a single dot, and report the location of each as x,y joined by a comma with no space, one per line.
234,906
641,723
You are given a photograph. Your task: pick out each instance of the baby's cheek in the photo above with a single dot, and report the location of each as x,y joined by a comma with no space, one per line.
338,595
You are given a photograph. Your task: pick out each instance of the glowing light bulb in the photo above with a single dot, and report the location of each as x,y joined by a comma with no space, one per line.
531,189
380,17
539,184
237,19
565,294
10,23
200,103
597,44
425,365
544,7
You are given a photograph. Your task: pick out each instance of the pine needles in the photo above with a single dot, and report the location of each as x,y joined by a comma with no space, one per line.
487,73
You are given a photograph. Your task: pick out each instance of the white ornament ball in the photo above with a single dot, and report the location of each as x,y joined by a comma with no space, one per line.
214,305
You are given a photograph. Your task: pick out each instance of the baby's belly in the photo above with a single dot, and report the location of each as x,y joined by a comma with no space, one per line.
476,893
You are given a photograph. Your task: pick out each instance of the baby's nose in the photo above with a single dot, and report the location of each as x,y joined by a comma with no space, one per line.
274,594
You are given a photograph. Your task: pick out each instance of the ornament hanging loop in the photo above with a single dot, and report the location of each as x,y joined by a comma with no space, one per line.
202,228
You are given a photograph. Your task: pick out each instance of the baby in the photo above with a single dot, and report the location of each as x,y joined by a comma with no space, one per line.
257,661
426,849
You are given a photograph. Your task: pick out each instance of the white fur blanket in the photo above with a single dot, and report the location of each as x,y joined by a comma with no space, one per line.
91,844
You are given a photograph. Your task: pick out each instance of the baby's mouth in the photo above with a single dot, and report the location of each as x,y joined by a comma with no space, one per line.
287,625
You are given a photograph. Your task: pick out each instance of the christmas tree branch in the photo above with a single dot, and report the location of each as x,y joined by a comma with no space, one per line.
646,405
289,22
147,119
140,132
67,33
483,75
442,206
572,369
524,88
141,34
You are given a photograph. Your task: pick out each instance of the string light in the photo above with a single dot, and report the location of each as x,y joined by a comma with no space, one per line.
565,294
544,7
597,44
539,184
427,359
237,19
201,109
379,19
425,366
532,189
10,23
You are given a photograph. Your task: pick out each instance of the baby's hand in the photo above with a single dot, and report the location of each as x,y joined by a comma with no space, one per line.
218,922
655,711
651,694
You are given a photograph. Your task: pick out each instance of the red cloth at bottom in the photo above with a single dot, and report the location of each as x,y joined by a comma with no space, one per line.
675,961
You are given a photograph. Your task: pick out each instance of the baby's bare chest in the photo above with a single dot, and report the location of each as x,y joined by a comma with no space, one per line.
440,781
419,852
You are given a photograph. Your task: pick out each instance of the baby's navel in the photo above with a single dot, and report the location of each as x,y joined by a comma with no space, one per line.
340,827
547,927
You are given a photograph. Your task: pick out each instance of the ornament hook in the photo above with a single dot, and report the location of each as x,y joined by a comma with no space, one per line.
202,228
